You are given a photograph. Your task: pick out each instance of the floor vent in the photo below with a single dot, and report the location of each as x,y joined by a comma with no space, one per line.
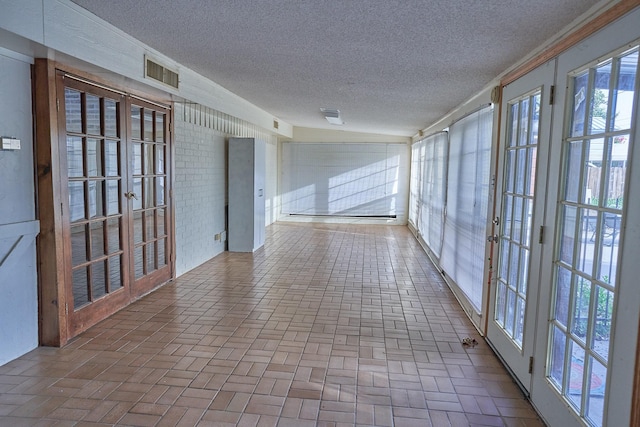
155,71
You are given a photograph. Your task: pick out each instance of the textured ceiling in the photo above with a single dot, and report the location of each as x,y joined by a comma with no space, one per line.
391,66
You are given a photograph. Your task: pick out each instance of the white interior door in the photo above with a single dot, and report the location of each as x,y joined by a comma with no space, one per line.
590,301
523,171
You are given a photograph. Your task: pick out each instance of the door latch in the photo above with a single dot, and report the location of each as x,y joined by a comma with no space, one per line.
493,238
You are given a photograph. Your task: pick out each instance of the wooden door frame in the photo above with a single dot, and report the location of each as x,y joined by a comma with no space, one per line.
53,301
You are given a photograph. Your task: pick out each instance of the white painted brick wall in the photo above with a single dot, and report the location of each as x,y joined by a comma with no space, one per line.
199,193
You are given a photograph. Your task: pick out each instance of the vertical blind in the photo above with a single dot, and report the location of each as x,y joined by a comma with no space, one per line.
344,179
433,191
468,180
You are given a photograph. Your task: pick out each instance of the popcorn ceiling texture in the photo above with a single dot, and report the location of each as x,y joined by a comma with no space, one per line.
391,67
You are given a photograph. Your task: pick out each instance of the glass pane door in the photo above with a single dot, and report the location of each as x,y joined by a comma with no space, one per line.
524,148
147,194
94,164
590,215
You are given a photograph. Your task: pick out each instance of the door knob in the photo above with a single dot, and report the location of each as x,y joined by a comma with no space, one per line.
130,195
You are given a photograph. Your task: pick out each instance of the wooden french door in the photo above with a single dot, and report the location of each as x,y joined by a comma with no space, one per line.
114,152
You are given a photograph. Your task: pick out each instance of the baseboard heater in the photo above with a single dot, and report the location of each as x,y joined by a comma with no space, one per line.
346,216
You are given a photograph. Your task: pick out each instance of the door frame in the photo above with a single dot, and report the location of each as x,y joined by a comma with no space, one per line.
53,301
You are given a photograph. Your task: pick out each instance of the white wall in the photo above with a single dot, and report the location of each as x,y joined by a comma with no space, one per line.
18,228
199,192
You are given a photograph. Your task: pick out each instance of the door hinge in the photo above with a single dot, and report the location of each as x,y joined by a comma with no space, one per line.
66,308
541,237
552,94
58,104
531,364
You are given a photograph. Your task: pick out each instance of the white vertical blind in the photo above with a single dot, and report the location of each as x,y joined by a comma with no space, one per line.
344,179
468,181
415,184
433,191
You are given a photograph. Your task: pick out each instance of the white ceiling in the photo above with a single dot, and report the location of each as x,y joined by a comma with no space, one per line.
391,66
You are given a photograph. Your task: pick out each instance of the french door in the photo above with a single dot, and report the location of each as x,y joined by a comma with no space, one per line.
524,148
114,149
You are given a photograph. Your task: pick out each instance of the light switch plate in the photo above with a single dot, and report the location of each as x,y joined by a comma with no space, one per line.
10,144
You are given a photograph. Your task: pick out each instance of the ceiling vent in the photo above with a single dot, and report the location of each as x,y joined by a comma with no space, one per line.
332,115
158,72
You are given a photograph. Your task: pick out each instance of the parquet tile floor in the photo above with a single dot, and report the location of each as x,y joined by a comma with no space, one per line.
327,325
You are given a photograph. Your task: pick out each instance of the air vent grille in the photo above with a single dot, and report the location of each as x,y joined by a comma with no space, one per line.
162,74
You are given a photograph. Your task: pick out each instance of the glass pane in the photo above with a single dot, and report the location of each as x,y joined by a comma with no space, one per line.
137,190
138,262
524,271
137,227
160,191
609,237
113,196
149,226
148,159
150,250
625,91
97,239
519,329
136,128
507,223
148,125
586,248
96,206
160,127
514,253
74,157
149,193
510,165
513,129
521,171
516,230
73,110
113,235
524,122
604,317
504,259
162,259
532,153
98,280
94,157
110,118
573,171
567,234
511,306
581,299
76,200
615,172
112,165
597,385
579,103
160,159
576,374
78,245
161,221
558,348
526,225
137,158
600,99
115,273
80,288
563,292
93,114
501,299
535,119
